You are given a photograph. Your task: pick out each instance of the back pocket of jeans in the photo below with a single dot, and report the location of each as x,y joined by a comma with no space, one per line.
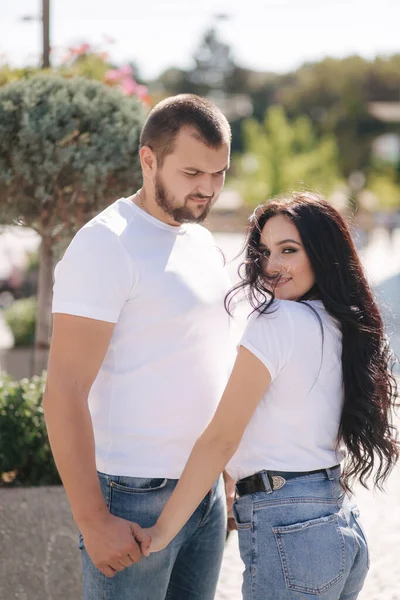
312,554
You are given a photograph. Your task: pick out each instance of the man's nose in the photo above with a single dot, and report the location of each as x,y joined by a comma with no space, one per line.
206,186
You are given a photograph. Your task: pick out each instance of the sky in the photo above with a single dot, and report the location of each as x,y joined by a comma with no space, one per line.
265,35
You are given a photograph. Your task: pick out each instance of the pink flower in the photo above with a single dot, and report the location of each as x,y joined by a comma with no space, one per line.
82,49
126,71
112,75
129,86
143,92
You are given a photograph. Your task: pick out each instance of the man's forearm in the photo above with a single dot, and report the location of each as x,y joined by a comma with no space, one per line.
70,430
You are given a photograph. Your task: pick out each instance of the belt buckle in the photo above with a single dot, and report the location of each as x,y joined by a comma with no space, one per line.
277,482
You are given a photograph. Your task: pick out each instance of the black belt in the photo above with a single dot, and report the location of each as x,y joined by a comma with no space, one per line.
277,479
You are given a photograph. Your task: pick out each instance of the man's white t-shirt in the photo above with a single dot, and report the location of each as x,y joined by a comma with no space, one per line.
295,425
170,353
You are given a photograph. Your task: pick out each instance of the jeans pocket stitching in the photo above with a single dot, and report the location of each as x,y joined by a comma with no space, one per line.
279,532
132,490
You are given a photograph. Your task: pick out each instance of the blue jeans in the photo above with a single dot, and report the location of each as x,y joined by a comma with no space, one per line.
187,569
302,541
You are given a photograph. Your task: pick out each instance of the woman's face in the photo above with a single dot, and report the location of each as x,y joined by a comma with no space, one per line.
285,259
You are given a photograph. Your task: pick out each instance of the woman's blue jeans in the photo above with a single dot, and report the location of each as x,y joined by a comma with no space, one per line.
302,541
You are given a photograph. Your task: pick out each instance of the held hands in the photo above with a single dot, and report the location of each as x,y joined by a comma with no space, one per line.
158,540
114,544
230,497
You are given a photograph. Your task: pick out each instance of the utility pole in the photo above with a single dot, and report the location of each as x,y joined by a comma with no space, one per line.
45,19
46,34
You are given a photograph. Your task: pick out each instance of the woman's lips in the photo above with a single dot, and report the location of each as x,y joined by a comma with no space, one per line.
283,281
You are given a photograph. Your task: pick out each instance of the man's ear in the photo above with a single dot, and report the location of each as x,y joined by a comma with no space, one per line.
148,162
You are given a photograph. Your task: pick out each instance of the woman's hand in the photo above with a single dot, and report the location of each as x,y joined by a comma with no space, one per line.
230,489
158,541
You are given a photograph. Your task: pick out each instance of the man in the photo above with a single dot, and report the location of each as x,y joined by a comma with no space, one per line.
139,359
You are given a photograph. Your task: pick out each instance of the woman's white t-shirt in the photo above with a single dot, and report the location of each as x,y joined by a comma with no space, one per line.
295,425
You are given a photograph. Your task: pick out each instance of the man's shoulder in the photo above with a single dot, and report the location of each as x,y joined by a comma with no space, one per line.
115,218
104,231
110,223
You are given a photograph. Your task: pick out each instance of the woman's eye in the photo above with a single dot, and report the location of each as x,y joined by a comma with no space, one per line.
289,250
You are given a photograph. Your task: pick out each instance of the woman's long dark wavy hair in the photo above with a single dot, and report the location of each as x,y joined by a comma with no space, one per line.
370,390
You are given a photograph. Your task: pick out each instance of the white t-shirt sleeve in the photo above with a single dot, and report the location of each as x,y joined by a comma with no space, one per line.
94,279
270,338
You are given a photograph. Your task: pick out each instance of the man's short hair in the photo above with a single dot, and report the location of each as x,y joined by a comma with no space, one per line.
169,116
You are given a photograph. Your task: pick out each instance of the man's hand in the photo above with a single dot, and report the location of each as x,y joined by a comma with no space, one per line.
230,497
114,544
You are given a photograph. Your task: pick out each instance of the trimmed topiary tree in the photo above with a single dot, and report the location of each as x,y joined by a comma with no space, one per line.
68,148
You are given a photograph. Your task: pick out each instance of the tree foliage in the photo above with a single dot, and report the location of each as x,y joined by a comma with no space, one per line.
282,155
67,147
335,94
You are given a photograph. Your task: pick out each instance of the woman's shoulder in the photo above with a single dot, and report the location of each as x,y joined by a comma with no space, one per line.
290,314
276,315
281,309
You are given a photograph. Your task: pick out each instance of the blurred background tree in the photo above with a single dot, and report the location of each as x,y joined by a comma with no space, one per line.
334,94
68,148
283,155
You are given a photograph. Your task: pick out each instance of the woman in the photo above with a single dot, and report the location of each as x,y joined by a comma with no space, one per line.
311,389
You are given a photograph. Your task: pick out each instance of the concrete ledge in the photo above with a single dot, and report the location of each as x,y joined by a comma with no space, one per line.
39,555
17,362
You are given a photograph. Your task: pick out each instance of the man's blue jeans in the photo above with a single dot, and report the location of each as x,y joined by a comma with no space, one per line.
187,569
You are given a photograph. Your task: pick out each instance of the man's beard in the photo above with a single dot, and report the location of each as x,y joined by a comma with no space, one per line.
181,214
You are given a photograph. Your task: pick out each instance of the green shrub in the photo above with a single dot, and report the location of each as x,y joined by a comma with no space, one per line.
21,319
25,455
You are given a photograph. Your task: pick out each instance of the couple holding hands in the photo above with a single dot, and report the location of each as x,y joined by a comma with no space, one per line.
154,418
